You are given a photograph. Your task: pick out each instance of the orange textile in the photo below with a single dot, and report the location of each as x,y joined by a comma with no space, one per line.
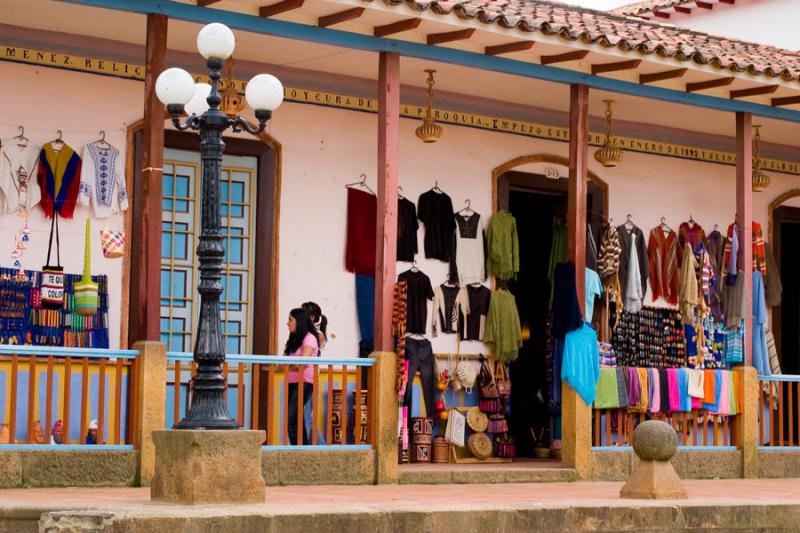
708,386
737,387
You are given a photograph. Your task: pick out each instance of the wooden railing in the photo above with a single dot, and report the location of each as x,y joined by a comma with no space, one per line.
258,397
779,412
614,427
42,385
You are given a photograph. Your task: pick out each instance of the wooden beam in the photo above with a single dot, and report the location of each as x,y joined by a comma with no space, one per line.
279,7
577,187
576,415
684,10
729,2
710,84
204,3
145,307
518,46
562,58
615,67
754,91
388,176
744,218
785,100
704,5
660,14
664,75
396,27
341,16
450,36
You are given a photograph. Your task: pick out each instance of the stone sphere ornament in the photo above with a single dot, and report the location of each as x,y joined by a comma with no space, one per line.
653,477
655,440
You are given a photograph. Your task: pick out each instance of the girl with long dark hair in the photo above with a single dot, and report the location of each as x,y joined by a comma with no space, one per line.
302,341
319,320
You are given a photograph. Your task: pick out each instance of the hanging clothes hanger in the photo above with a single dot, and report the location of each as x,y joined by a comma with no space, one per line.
716,228
691,221
414,267
101,142
629,223
664,225
22,141
400,193
467,210
436,186
58,140
362,184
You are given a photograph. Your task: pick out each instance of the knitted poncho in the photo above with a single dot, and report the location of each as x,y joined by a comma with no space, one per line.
503,334
608,258
503,246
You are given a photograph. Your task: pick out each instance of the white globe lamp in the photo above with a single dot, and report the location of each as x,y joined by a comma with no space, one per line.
175,86
216,41
199,102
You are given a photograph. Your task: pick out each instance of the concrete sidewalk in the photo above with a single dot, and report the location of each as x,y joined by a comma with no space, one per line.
720,505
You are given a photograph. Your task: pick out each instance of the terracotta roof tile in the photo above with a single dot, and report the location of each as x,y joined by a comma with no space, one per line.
623,32
639,8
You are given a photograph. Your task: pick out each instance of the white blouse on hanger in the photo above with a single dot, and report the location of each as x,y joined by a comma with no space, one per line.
103,180
19,188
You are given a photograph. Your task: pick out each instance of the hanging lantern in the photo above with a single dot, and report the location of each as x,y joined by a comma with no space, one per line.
609,154
232,102
429,132
760,180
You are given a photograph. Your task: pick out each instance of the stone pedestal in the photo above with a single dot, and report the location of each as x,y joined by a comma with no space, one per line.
207,467
653,477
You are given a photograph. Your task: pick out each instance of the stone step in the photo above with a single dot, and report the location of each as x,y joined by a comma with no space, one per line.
459,474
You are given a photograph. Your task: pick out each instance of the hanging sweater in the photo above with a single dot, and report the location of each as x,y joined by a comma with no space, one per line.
566,309
759,251
435,210
608,257
772,282
716,251
580,366
58,177
662,251
638,246
558,252
634,294
692,233
688,287
503,333
503,255
447,303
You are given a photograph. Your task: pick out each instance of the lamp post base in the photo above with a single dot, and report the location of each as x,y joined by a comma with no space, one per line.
208,467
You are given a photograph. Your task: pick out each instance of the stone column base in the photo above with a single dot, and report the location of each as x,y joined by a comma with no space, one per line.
653,480
202,467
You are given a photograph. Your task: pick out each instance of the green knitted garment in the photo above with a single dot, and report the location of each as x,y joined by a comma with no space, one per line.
502,333
503,257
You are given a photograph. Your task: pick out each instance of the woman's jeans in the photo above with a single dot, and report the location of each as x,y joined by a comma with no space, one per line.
308,390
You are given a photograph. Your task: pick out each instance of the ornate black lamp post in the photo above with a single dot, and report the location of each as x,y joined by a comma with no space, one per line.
177,90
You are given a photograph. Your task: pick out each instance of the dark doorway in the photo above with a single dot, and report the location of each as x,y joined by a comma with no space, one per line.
786,318
537,203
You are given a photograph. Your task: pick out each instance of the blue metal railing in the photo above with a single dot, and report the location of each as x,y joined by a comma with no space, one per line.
40,385
260,396
779,412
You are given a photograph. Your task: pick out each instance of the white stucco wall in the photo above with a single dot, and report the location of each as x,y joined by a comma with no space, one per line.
44,100
762,21
324,149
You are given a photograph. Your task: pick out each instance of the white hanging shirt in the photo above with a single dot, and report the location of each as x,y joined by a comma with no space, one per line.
470,259
19,188
103,180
